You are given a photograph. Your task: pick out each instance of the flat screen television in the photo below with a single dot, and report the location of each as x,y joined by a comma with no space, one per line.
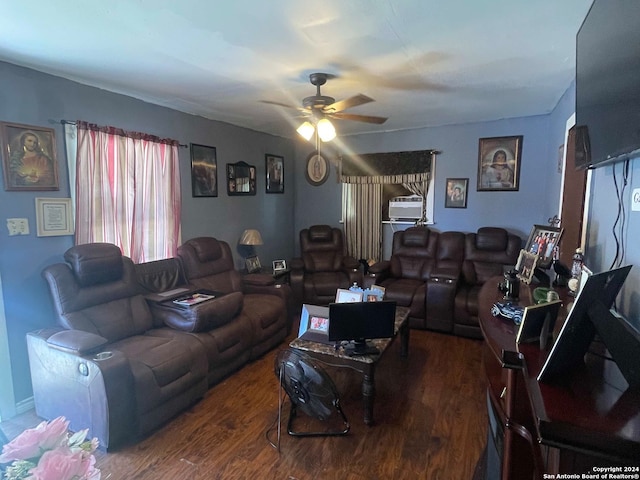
359,322
579,330
608,84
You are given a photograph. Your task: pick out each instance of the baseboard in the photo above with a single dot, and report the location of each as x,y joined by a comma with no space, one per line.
25,405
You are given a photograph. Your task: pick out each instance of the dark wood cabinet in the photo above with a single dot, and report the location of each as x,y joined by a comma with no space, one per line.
589,419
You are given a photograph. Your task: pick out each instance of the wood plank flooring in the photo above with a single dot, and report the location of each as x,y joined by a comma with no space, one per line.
430,424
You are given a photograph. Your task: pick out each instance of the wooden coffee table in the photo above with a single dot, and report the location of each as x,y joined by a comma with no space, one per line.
364,364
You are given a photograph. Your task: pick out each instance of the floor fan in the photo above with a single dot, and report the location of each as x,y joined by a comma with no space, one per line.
310,390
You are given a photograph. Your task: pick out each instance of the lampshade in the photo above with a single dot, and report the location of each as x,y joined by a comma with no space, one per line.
306,130
251,237
326,130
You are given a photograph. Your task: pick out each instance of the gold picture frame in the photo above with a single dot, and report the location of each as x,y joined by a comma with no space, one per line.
29,157
526,266
499,163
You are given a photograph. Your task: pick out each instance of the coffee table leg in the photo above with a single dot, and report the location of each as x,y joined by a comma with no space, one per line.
368,395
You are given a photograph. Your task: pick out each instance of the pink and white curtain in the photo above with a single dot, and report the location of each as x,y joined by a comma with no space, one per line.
127,191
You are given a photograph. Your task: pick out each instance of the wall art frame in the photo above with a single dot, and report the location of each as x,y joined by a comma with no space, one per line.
29,153
54,217
204,171
317,169
274,173
456,193
499,163
241,179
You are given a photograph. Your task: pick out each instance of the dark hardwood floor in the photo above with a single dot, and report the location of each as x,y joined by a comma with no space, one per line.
430,423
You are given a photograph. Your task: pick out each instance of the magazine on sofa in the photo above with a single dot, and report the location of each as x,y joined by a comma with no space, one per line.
193,299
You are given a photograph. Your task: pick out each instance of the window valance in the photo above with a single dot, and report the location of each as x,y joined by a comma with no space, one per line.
391,167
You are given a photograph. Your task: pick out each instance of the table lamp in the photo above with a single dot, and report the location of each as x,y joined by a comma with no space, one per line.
250,238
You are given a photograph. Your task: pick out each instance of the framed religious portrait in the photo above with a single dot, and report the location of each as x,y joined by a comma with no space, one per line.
456,193
317,170
29,157
204,171
274,168
499,163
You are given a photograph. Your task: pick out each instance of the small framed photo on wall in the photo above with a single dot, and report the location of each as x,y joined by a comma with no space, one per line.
274,167
456,195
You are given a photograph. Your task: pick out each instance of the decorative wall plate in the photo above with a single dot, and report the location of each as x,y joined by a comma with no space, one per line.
317,170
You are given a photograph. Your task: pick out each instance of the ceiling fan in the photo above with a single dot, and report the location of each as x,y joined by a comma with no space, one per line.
320,108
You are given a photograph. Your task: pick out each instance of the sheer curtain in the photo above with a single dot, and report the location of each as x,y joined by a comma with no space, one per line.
127,191
362,212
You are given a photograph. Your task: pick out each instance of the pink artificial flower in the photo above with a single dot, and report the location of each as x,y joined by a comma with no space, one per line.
63,464
32,442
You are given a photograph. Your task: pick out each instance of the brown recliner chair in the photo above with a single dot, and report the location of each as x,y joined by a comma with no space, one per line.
143,381
323,267
487,253
208,264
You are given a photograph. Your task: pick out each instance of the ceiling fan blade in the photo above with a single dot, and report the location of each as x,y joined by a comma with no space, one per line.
350,102
279,104
359,118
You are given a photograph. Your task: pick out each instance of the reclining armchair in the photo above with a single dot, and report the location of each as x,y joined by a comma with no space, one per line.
487,253
323,266
104,368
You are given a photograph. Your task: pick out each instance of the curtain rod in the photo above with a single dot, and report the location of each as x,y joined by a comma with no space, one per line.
69,122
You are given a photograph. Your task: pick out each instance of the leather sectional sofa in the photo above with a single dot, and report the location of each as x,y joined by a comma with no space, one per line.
125,358
438,275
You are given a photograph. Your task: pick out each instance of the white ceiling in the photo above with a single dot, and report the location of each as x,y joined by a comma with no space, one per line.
425,62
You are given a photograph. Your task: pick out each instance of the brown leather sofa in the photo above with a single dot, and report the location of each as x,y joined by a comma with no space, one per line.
158,358
323,266
437,275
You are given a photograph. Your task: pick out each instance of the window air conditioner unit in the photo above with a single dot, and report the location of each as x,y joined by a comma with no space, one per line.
407,208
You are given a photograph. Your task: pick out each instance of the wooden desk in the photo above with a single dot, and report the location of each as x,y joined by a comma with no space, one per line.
589,419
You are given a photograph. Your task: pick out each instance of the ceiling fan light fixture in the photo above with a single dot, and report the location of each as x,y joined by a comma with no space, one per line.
306,130
326,130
